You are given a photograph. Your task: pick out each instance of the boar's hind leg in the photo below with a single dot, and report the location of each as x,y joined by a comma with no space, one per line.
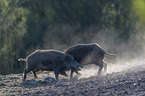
105,67
100,64
26,70
24,73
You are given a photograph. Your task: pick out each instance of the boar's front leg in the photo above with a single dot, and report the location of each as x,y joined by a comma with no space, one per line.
28,69
72,71
56,72
71,74
100,64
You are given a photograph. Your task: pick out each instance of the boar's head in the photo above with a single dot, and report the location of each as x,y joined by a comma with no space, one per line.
72,62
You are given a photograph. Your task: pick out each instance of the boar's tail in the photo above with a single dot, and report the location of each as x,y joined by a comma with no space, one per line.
110,54
22,59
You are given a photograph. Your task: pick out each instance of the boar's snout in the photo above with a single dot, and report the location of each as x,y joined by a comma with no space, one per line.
76,65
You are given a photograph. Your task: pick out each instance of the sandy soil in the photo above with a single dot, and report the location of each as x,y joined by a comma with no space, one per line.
129,82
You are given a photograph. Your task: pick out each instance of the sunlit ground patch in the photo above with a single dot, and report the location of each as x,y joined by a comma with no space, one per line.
88,71
124,66
92,70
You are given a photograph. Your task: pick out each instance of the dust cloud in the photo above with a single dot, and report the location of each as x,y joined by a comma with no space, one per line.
92,70
129,55
129,52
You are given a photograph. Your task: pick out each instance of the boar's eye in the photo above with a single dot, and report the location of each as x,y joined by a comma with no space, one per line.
68,59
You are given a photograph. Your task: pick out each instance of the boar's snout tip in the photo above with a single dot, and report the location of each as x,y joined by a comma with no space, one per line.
76,67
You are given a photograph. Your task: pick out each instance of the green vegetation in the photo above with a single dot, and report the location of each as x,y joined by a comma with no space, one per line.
27,25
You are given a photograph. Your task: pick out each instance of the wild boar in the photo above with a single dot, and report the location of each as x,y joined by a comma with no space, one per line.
49,60
88,54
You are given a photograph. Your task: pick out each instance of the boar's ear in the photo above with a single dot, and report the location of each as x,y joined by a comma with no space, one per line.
68,58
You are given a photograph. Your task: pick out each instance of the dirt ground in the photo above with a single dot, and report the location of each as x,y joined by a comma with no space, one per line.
125,83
